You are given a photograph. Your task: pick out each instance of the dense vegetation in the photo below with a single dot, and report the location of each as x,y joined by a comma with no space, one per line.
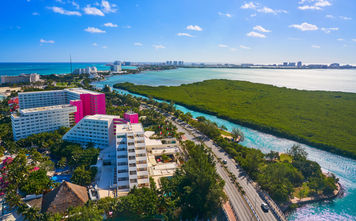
283,176
323,119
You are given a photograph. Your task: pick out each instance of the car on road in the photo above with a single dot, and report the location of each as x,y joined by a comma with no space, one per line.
224,161
264,207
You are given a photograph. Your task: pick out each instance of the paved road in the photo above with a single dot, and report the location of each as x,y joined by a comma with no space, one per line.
238,203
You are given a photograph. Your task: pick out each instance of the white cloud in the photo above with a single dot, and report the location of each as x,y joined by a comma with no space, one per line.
304,27
245,47
329,16
222,46
93,11
111,25
254,34
46,41
262,9
94,30
138,44
249,5
62,11
313,4
158,46
260,28
107,8
322,3
267,10
328,30
345,18
95,44
316,46
35,13
76,5
309,7
194,28
104,47
228,15
340,39
184,34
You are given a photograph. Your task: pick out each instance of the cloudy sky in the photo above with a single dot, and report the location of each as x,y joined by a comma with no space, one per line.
266,31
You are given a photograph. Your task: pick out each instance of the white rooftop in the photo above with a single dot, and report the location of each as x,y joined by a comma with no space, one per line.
151,142
73,90
46,108
103,117
128,127
81,91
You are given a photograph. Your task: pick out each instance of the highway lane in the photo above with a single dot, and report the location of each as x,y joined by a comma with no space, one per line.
238,203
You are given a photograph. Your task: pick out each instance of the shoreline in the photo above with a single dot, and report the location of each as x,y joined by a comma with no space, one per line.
262,128
287,209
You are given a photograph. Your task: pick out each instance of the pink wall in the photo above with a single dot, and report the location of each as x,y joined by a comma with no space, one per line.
93,104
79,114
131,117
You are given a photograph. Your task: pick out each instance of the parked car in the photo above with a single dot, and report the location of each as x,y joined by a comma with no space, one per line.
265,207
224,161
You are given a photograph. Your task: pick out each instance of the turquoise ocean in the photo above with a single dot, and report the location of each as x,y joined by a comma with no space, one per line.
342,208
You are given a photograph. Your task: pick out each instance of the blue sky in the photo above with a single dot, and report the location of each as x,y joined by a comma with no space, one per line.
265,31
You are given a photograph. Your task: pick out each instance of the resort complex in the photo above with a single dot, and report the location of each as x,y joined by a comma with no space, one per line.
45,111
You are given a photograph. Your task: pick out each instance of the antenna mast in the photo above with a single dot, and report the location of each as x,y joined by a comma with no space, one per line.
71,68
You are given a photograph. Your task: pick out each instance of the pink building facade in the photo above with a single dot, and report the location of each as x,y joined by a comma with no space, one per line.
131,117
93,104
79,114
89,104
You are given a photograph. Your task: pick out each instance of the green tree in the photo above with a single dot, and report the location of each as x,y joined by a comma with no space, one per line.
81,176
36,182
62,162
196,185
90,212
139,203
237,134
298,152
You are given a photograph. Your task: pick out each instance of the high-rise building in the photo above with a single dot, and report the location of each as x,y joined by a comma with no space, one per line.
131,157
291,64
83,103
126,137
22,78
41,119
299,64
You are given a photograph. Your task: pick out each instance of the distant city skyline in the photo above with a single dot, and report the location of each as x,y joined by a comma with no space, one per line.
226,31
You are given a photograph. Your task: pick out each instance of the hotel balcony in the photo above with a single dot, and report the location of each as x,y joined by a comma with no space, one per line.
141,159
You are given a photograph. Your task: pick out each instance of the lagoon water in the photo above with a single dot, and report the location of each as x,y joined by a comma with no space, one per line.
343,208
313,79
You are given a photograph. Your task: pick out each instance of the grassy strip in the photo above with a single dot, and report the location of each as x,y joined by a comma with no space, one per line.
323,119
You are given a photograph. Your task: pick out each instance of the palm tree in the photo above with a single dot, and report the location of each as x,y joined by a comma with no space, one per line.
237,134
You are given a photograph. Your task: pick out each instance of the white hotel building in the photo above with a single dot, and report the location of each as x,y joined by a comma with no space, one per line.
127,141
42,119
97,129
